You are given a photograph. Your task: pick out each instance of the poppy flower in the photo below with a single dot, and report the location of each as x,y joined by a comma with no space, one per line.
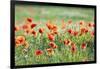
38,52
54,28
51,37
29,20
49,26
67,42
69,21
27,31
73,44
17,43
70,31
75,33
81,22
33,33
55,32
73,47
93,25
20,40
25,26
92,33
84,30
83,46
53,45
50,51
41,30
16,28
33,25
90,24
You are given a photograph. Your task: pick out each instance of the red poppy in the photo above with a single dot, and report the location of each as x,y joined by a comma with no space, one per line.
84,30
83,46
73,47
81,22
17,43
90,24
92,33
33,33
55,32
54,28
38,52
51,37
93,25
53,45
33,25
50,51
73,44
50,26
29,20
69,21
16,28
41,30
25,26
70,31
75,33
20,40
27,31
67,42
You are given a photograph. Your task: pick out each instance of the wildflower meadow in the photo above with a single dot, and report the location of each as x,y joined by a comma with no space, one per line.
52,34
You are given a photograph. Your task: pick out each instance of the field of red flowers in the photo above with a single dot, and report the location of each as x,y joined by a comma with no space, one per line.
43,37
